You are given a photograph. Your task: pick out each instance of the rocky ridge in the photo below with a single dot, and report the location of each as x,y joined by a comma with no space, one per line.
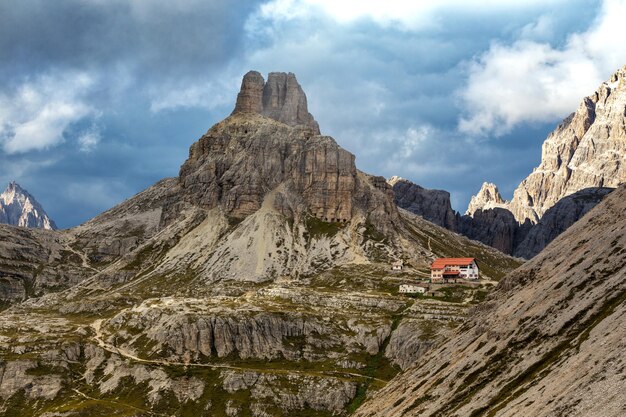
432,205
19,208
496,226
585,151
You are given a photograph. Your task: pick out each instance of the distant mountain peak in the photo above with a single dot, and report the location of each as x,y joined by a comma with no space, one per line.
487,198
19,208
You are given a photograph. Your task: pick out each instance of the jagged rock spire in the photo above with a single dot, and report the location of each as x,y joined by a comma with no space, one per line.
19,208
487,198
280,98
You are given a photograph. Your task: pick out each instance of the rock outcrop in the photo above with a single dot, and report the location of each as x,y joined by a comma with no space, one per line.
586,150
432,205
280,98
557,219
491,222
495,227
547,342
19,208
487,198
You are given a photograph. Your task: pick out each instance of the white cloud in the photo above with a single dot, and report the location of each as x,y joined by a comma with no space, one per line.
36,114
88,140
410,14
412,141
530,81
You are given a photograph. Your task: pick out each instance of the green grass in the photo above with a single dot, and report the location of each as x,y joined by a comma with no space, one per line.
317,228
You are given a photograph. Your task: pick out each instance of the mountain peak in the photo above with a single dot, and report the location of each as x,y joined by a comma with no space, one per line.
487,198
280,98
19,208
586,150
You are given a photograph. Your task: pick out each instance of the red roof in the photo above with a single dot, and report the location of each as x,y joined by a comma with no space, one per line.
441,263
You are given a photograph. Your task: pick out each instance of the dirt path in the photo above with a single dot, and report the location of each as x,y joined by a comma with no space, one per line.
83,257
98,338
117,403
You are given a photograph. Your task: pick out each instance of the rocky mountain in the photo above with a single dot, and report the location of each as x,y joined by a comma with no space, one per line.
19,208
256,283
548,342
487,198
432,205
586,150
583,155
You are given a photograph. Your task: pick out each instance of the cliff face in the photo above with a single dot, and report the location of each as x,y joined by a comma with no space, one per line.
586,150
548,341
19,208
432,205
495,227
557,219
245,157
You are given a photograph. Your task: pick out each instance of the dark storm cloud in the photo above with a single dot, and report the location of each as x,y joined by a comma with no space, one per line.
179,38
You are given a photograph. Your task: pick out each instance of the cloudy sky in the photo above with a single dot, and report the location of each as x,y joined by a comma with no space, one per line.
101,98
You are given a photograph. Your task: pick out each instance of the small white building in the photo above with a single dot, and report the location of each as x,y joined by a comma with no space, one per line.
412,289
397,266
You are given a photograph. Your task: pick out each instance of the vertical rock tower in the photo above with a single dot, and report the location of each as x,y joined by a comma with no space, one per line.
271,148
281,99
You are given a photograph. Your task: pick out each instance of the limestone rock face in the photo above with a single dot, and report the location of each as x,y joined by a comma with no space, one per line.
250,97
586,150
281,99
559,218
240,160
495,227
432,205
19,208
487,198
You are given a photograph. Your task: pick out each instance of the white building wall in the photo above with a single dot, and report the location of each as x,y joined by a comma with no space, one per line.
411,289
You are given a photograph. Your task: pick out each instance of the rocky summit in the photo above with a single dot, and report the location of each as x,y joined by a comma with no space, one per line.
256,283
487,198
280,98
19,208
586,150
